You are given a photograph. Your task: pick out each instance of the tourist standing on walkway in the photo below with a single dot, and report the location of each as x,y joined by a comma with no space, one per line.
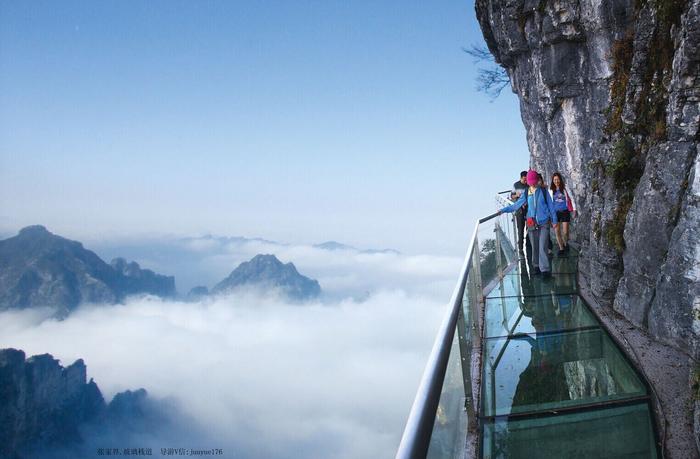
542,184
540,214
519,188
565,209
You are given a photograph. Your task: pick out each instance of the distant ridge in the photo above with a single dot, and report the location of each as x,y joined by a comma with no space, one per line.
334,245
39,268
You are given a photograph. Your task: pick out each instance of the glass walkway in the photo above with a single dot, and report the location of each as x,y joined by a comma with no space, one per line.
522,368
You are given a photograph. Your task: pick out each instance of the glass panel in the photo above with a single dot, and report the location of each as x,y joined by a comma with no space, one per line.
553,370
620,432
516,314
525,285
507,286
508,222
505,240
562,283
450,429
494,251
490,260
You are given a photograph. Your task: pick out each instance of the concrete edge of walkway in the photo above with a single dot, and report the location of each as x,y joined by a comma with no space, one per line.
667,370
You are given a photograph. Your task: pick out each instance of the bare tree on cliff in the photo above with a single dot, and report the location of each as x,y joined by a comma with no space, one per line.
491,79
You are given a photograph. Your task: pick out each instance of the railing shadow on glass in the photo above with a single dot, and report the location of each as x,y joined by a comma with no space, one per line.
446,403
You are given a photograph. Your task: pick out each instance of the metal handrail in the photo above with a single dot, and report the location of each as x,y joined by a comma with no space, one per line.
419,427
488,217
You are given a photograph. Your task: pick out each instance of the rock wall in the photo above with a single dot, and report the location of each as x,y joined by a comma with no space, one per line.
609,94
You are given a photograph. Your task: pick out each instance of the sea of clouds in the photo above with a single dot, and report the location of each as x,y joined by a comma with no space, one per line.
262,377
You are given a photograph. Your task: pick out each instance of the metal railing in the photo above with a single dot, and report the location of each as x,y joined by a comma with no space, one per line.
428,427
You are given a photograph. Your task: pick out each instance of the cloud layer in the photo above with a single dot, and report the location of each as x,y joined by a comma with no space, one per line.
265,378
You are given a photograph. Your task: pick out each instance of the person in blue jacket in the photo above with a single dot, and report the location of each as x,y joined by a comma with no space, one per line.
540,214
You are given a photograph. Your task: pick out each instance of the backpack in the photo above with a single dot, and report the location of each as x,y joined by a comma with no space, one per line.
531,222
569,202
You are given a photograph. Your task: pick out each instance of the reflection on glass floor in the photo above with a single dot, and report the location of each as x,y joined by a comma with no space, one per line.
567,264
549,371
616,432
520,282
531,314
554,384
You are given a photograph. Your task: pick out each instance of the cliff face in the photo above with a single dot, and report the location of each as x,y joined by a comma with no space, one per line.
610,96
51,411
43,404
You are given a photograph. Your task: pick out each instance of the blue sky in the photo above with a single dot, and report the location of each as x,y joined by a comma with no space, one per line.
296,121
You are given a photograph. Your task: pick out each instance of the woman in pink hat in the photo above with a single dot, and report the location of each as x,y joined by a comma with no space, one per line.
540,215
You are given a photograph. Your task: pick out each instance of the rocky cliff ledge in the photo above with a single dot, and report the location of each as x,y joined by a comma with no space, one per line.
610,96
43,404
51,411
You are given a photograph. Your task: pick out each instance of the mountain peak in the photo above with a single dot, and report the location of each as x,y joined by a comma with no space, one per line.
35,230
267,272
39,268
334,245
266,259
125,267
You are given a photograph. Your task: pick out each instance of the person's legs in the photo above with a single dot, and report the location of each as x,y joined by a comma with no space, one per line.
543,234
565,231
560,239
534,236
